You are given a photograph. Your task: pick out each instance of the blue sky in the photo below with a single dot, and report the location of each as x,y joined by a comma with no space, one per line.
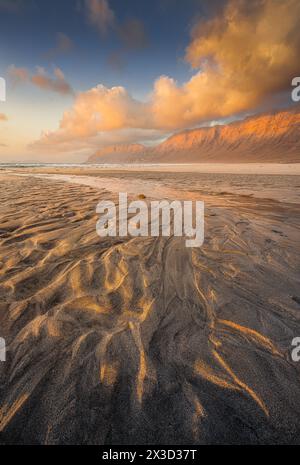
26,35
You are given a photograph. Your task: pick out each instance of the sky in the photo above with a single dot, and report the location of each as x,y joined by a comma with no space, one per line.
83,74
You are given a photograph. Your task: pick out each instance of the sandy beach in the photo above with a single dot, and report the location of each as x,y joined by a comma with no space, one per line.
142,340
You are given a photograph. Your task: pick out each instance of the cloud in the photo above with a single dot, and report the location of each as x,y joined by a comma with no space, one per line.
41,79
56,84
247,53
243,56
3,117
98,110
63,45
131,31
18,75
100,15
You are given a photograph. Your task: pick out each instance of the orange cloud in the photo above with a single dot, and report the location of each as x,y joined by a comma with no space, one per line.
242,57
245,55
41,79
56,84
98,110
3,117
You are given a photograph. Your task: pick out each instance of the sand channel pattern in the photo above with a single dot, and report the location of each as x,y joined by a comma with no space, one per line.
142,340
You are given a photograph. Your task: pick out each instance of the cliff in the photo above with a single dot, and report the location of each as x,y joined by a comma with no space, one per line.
273,137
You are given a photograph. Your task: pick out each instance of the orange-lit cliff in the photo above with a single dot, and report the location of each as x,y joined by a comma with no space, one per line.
264,138
119,153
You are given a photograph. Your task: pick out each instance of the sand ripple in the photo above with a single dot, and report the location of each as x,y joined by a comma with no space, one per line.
142,340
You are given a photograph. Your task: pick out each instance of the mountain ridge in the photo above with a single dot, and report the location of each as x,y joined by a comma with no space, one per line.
267,137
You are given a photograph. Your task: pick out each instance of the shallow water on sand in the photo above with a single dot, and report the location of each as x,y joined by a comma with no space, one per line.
189,186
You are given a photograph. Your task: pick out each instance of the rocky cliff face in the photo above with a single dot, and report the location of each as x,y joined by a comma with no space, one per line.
263,138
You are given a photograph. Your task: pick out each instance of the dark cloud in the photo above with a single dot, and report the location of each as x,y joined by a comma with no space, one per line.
131,31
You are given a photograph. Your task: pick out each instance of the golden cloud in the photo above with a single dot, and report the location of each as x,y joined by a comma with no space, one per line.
98,110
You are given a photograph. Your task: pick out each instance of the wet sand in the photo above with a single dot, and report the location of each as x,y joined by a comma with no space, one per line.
142,340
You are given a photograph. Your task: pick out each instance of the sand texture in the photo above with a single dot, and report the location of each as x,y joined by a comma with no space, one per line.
142,340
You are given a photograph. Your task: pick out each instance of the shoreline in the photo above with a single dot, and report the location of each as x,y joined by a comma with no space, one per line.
292,169
174,184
